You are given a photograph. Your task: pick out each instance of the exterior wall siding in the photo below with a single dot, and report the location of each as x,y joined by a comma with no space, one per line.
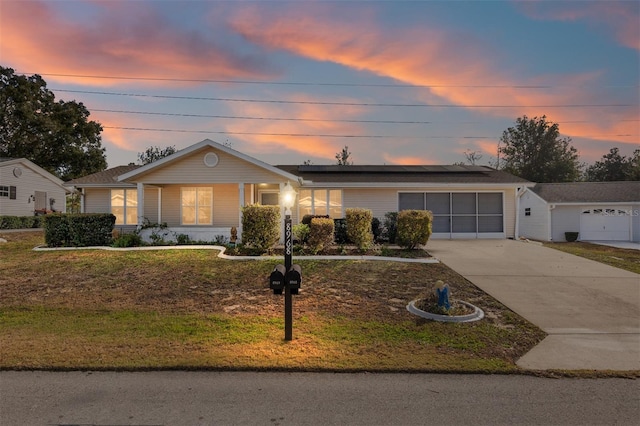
97,200
193,170
564,219
27,184
535,226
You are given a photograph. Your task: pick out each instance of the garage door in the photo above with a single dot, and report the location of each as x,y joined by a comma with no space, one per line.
605,224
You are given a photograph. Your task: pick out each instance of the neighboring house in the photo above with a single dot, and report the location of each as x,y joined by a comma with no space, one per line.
599,211
199,191
27,189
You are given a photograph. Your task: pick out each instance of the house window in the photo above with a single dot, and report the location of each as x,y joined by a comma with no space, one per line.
124,206
8,192
197,206
527,211
320,202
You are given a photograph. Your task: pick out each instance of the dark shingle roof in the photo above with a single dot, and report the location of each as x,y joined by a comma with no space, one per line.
109,176
589,192
402,174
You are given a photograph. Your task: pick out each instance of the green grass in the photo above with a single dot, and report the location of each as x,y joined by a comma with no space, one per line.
627,259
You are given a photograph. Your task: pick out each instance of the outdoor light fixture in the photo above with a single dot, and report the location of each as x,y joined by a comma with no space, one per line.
288,198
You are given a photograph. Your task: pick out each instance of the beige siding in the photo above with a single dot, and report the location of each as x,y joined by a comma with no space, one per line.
192,170
97,200
26,185
510,212
151,204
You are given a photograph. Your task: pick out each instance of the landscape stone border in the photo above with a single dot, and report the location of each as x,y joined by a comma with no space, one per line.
477,314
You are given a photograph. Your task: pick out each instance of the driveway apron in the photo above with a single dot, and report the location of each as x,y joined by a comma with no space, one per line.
590,311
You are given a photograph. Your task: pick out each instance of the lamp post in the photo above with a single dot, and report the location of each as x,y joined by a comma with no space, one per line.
288,198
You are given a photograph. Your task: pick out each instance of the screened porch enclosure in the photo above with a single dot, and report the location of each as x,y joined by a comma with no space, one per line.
459,214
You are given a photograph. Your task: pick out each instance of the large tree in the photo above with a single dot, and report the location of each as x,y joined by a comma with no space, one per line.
614,167
56,135
533,150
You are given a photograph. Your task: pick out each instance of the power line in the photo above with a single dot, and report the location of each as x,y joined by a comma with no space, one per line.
233,117
295,83
272,101
323,135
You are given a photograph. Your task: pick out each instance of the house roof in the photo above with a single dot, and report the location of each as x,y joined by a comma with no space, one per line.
34,167
403,174
207,143
106,177
589,192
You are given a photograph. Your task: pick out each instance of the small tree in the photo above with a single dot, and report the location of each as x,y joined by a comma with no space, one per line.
154,153
344,157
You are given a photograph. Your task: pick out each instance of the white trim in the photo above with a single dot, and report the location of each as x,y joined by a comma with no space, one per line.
467,186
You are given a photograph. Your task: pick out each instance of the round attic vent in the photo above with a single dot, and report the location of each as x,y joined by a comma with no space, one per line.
17,172
211,159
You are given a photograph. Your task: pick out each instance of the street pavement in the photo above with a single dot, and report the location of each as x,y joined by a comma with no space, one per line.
252,398
590,311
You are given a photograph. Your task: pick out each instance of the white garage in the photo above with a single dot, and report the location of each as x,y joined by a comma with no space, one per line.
606,224
597,211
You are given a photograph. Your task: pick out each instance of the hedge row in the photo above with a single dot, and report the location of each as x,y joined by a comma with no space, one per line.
20,222
78,230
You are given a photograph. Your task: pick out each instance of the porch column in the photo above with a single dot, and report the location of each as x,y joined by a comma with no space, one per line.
241,205
159,205
140,204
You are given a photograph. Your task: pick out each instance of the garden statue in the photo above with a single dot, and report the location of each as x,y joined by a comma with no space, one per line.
234,235
442,291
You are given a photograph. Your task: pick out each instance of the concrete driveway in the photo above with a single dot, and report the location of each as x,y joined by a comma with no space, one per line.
591,311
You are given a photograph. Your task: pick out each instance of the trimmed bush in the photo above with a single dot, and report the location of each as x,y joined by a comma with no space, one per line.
301,232
127,240
359,227
260,226
414,228
321,234
20,222
376,228
307,218
78,230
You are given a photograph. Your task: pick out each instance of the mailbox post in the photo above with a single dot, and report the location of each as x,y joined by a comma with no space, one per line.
288,197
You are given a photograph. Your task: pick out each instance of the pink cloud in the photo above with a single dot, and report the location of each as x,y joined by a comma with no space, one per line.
120,39
622,18
408,160
452,65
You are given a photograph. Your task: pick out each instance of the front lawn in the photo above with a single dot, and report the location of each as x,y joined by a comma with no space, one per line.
627,259
188,309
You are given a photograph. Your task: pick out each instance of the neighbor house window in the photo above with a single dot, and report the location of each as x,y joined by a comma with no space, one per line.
8,192
124,206
527,211
321,202
197,206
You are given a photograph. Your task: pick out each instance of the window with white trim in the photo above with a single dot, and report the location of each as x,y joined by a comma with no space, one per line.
320,202
124,206
196,204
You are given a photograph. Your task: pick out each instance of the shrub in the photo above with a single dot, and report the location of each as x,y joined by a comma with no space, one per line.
359,227
320,234
127,240
183,239
20,222
260,226
390,227
340,233
78,230
307,218
376,229
414,228
301,232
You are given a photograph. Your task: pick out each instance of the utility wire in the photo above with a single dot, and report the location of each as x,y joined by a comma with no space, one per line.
294,83
272,101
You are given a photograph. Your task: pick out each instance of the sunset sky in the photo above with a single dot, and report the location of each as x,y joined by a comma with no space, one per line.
399,82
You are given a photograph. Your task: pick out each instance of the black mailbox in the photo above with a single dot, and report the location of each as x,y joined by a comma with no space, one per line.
293,278
276,279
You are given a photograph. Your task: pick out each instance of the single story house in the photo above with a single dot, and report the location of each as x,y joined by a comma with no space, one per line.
598,211
200,190
27,189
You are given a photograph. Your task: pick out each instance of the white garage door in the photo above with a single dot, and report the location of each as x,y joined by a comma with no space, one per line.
605,224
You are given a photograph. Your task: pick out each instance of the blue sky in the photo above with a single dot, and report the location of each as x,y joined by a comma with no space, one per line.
416,82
